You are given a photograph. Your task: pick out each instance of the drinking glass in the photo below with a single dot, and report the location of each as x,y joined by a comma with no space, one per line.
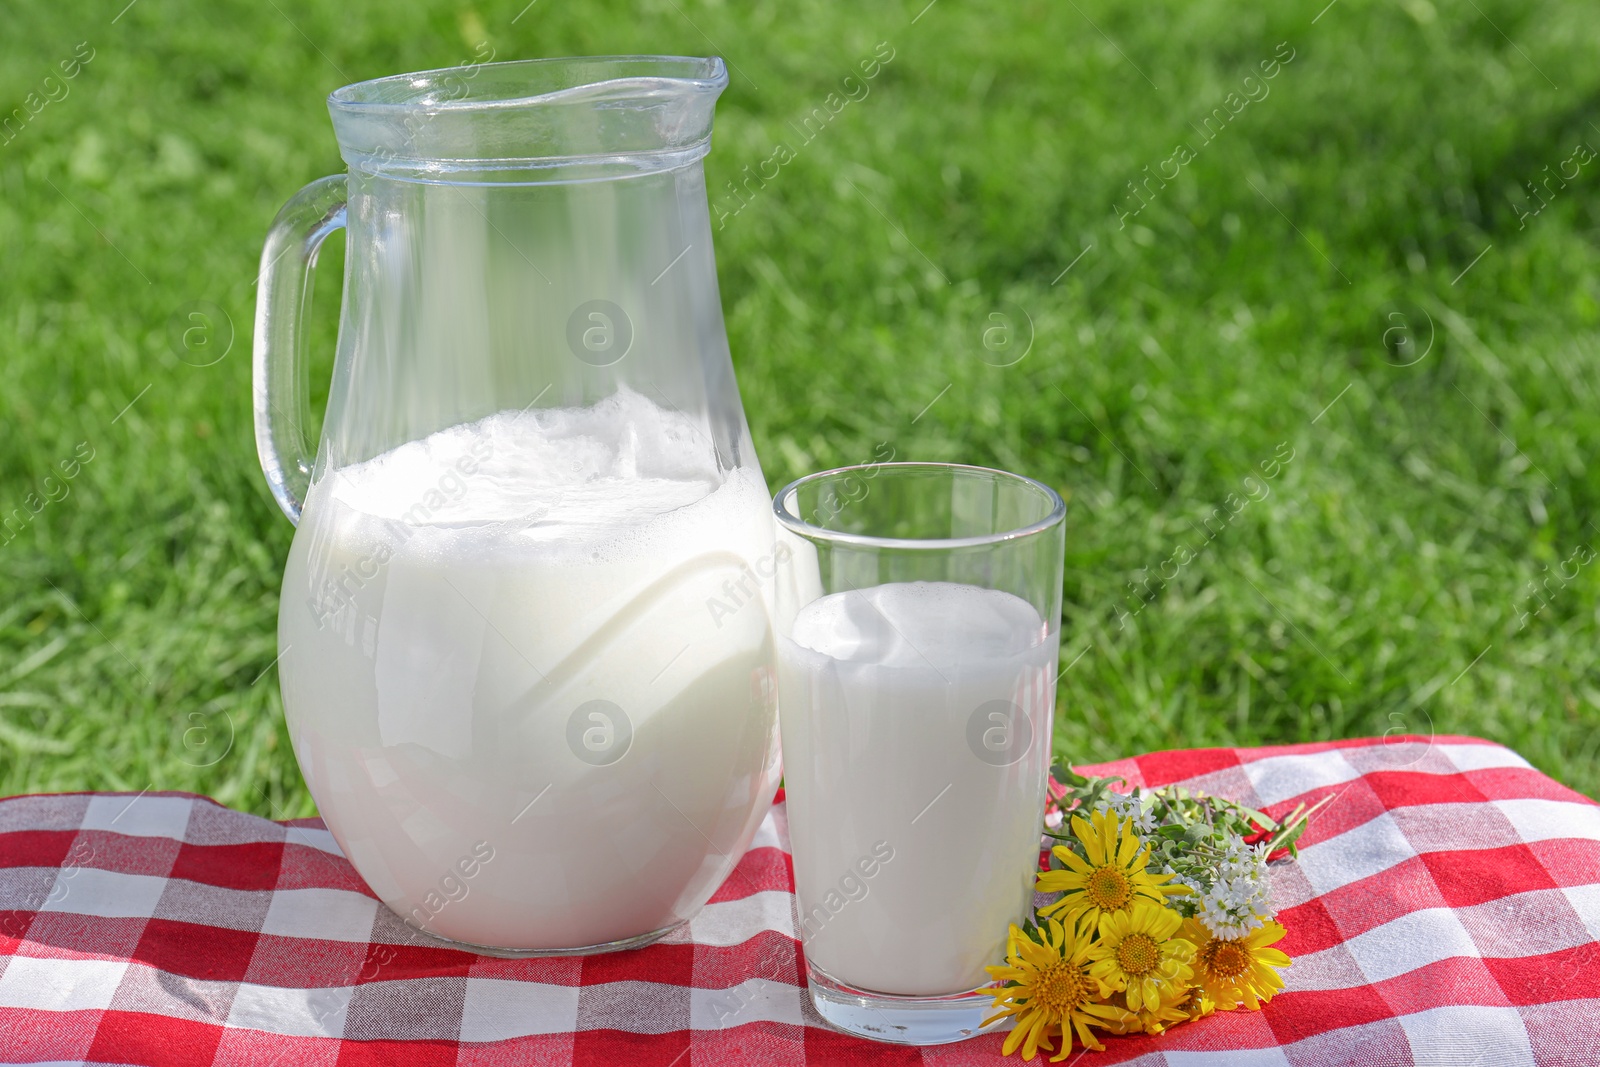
918,609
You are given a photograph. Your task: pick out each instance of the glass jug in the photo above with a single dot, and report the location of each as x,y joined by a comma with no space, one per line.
527,653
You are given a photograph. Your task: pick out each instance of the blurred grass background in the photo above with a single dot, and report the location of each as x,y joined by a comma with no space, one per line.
1351,272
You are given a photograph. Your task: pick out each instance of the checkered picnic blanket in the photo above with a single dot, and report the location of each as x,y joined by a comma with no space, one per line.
1445,911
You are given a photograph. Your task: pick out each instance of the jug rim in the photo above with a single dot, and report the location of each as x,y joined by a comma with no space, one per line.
412,87
570,119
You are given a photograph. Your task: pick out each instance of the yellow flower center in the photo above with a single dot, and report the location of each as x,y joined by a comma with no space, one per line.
1226,959
1138,954
1060,987
1108,888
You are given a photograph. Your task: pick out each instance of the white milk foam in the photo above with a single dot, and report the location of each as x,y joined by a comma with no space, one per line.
914,810
498,641
563,474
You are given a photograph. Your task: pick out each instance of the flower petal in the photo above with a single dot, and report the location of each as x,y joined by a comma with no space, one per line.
1130,845
1091,841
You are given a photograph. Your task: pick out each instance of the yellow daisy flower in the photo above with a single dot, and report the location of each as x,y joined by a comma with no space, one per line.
1114,875
1048,991
1197,1005
1241,970
1138,956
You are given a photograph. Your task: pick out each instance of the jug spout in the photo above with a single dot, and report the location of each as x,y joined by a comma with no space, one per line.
610,115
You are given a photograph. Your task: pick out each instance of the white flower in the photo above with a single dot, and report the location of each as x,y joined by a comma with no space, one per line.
1126,805
1240,898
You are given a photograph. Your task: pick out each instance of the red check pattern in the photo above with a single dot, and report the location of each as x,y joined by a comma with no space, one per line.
1445,910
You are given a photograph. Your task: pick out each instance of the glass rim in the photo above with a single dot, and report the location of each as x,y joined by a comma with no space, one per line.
797,525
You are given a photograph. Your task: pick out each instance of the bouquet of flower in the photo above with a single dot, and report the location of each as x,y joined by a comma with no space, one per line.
1163,916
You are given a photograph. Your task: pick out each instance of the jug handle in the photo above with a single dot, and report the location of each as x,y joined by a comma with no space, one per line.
283,295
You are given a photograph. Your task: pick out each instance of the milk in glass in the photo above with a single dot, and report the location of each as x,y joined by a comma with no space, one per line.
916,719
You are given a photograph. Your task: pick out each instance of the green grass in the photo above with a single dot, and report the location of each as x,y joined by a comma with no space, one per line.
1377,586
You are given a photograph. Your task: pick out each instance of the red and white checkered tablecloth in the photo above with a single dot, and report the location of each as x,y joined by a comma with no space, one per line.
1445,911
